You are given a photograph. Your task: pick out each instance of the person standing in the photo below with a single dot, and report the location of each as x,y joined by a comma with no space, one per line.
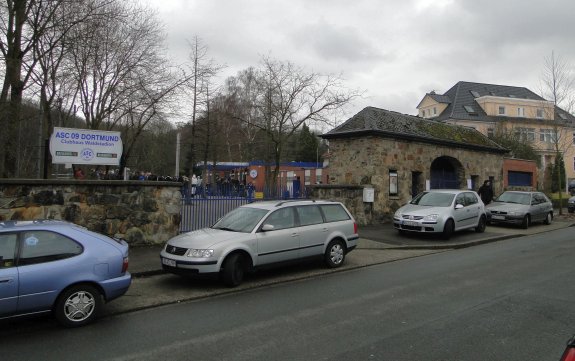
486,192
194,185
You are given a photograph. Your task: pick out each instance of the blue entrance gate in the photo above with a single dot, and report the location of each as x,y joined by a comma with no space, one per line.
200,212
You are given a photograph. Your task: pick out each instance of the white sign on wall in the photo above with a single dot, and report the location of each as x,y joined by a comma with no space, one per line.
85,146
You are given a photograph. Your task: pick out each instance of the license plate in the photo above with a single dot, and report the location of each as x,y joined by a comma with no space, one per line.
169,262
496,216
410,223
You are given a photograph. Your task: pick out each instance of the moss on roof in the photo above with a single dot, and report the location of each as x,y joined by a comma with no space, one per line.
396,125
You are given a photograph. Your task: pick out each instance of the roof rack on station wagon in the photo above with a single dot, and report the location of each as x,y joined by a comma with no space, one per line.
294,200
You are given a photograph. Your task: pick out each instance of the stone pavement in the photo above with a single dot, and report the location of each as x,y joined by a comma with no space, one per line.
377,244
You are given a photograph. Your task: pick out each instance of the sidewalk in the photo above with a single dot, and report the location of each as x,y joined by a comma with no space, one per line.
378,244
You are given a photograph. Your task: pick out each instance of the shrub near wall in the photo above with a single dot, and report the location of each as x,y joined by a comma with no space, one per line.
140,212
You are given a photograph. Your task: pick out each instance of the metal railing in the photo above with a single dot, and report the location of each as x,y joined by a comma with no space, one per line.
205,207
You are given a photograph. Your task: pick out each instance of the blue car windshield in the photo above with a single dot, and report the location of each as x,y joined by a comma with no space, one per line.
433,199
242,219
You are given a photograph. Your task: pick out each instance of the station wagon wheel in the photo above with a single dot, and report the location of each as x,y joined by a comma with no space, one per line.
78,305
549,218
335,254
526,221
233,270
481,225
448,229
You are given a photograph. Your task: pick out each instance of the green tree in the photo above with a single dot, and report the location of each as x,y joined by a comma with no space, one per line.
558,174
307,146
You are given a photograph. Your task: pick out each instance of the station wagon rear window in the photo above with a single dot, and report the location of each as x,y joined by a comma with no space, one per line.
334,213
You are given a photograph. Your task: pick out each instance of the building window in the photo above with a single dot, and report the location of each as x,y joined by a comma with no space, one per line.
469,109
525,134
434,111
392,182
491,132
318,176
547,135
501,110
520,112
539,113
520,178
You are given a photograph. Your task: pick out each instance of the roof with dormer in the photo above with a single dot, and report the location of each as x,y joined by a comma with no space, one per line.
463,94
373,121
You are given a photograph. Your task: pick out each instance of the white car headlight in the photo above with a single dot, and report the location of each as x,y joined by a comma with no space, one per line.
397,214
431,218
200,253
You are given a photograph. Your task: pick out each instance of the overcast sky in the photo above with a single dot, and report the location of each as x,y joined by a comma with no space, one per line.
395,50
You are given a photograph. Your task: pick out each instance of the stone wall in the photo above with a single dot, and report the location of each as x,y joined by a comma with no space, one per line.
140,212
368,160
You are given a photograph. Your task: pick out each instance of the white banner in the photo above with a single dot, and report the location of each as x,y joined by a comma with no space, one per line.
85,146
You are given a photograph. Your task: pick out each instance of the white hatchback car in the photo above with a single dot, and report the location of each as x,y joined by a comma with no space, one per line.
441,211
263,233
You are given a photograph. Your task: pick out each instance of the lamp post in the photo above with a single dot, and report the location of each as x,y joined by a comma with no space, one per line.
178,138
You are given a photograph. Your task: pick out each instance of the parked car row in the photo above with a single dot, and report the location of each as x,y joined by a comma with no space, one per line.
58,267
445,211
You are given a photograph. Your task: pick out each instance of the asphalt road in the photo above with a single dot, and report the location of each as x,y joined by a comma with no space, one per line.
510,300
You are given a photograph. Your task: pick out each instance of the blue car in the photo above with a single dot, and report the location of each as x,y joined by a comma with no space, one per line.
59,267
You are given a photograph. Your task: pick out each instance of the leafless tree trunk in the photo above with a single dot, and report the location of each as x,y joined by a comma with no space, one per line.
558,85
202,69
22,25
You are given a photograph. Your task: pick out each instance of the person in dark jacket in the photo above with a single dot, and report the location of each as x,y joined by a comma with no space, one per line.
486,192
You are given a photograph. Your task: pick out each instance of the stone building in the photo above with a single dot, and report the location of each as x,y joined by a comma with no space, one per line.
400,155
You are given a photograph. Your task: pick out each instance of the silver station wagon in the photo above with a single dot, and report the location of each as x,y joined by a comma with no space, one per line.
261,234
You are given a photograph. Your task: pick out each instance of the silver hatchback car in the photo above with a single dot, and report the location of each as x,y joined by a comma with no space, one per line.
441,211
521,208
261,234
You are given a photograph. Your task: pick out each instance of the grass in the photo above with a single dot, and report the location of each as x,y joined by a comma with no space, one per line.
564,195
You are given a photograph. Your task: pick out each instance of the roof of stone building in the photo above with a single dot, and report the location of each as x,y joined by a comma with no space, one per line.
389,124
463,95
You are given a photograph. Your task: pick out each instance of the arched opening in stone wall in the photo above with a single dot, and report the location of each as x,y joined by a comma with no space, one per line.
446,173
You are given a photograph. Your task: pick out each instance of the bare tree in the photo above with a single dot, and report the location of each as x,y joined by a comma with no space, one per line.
124,81
23,23
558,86
292,97
25,27
242,92
558,82
202,69
48,77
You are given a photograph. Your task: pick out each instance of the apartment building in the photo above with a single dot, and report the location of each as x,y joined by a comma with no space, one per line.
492,108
